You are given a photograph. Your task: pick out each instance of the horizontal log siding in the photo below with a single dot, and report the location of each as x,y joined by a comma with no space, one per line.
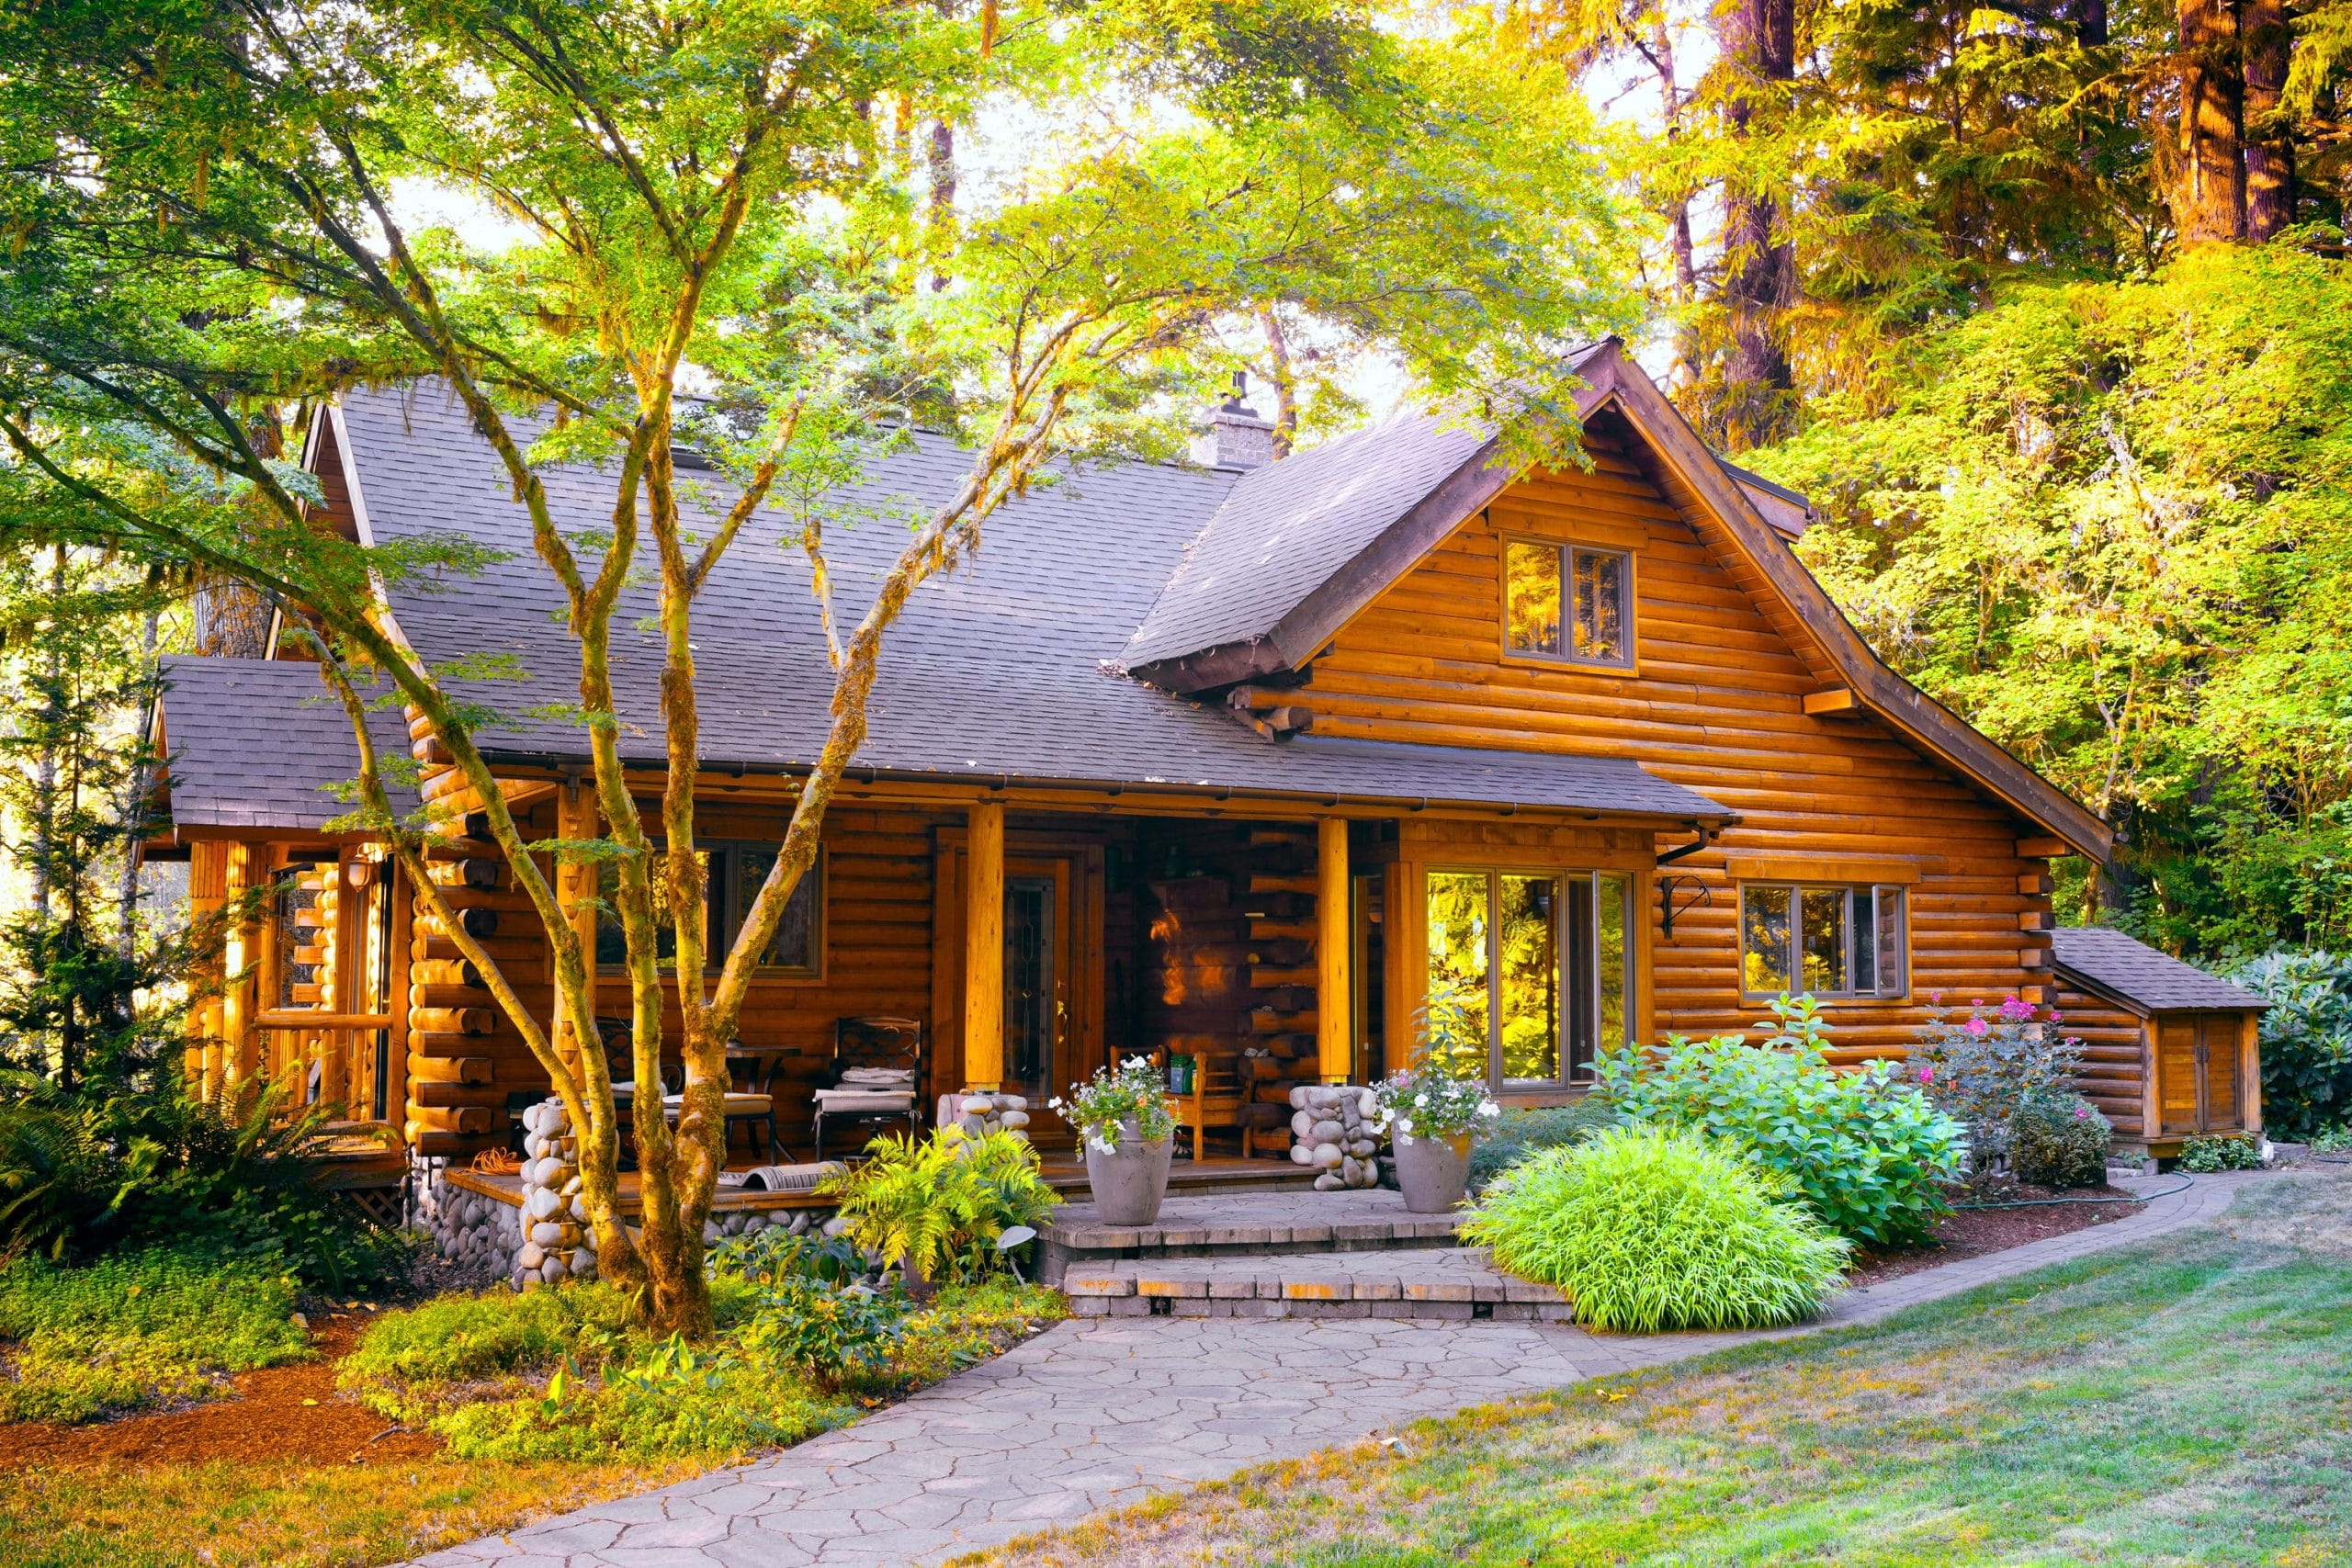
2115,1057
878,962
1716,704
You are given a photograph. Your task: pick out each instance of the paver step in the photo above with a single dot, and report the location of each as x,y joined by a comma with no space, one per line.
1244,1225
1455,1283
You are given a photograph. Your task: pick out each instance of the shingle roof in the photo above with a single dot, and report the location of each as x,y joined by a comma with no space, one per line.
999,670
2133,970
1273,566
259,744
1286,527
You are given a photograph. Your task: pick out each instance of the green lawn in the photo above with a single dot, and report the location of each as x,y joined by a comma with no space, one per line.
2185,1403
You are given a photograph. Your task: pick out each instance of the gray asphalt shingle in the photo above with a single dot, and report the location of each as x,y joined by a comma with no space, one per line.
260,744
2137,973
1007,667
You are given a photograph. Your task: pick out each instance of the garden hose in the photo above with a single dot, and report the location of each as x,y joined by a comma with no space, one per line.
2186,1181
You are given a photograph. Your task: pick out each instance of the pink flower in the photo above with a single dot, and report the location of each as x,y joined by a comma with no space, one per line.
2053,1015
1977,1028
2015,1011
1927,1075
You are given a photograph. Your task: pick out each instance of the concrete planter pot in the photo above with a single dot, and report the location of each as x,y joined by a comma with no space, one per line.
1130,1182
1434,1173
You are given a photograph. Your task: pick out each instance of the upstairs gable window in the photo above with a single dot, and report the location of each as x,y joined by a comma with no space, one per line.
1571,603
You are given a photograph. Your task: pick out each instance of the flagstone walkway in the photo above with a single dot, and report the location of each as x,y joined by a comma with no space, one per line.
1101,1412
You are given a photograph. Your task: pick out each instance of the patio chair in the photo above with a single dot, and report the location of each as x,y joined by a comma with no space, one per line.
753,1107
875,1074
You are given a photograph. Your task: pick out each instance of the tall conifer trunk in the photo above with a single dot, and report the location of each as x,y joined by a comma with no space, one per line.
2208,189
1759,262
2270,163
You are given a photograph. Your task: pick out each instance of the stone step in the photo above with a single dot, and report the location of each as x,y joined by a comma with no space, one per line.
1458,1283
1244,1225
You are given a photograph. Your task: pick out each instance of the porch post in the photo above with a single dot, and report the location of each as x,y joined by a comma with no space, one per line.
984,947
1334,948
239,1046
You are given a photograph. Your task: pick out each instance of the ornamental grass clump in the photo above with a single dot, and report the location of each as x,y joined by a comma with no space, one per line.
1649,1228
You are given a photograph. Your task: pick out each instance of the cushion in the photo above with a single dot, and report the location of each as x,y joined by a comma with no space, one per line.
878,1077
833,1101
790,1177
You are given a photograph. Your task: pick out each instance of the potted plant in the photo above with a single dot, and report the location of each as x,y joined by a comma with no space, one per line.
1121,1118
1432,1114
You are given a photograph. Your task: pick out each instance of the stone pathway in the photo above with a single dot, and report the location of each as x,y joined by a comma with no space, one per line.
1102,1412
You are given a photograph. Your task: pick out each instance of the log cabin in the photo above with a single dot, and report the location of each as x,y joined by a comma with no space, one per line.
1227,760
2169,1052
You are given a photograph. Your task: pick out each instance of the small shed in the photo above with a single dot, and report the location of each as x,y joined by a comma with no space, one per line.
2169,1050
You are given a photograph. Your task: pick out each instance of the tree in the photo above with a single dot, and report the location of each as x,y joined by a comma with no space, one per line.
2108,524
206,231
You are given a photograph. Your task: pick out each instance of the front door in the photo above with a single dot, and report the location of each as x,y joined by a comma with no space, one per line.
1038,980
2196,1072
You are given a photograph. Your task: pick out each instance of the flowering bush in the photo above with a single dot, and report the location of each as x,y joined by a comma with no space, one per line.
1135,1092
1864,1149
1984,1067
1433,1102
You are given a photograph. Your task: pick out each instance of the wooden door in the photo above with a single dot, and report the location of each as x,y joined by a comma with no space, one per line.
1066,972
2197,1073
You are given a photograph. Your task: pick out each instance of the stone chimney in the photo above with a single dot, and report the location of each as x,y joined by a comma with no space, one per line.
1236,437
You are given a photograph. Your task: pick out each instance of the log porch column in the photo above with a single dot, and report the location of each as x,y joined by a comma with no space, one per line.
984,947
240,1046
1334,948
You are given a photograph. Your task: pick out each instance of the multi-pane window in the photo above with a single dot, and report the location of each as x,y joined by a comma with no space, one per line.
1527,971
1831,941
1568,602
733,875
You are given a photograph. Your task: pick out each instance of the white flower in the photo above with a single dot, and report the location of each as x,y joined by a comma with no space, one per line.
1488,1108
1104,1144
1420,1099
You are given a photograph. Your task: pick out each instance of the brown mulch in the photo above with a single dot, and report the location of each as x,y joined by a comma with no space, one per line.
277,1413
1971,1232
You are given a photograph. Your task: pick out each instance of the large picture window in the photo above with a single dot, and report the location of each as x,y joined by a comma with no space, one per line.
733,875
1568,602
1831,941
1529,970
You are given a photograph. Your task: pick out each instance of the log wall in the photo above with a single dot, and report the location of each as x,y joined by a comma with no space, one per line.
2115,1057
1715,702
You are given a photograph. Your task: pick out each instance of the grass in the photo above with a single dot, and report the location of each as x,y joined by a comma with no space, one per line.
2182,1403
137,1330
480,1372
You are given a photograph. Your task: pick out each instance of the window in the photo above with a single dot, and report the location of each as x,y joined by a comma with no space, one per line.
734,873
1831,941
1527,971
1568,602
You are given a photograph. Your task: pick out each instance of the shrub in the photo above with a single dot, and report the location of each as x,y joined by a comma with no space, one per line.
2332,1140
2222,1151
2306,1039
1863,1150
1648,1228
1984,1069
136,1329
2059,1141
1519,1133
935,1209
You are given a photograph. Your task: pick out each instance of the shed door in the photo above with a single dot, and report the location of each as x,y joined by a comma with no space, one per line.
2196,1072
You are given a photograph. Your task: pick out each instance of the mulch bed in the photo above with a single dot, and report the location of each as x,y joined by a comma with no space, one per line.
1971,1232
277,1413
